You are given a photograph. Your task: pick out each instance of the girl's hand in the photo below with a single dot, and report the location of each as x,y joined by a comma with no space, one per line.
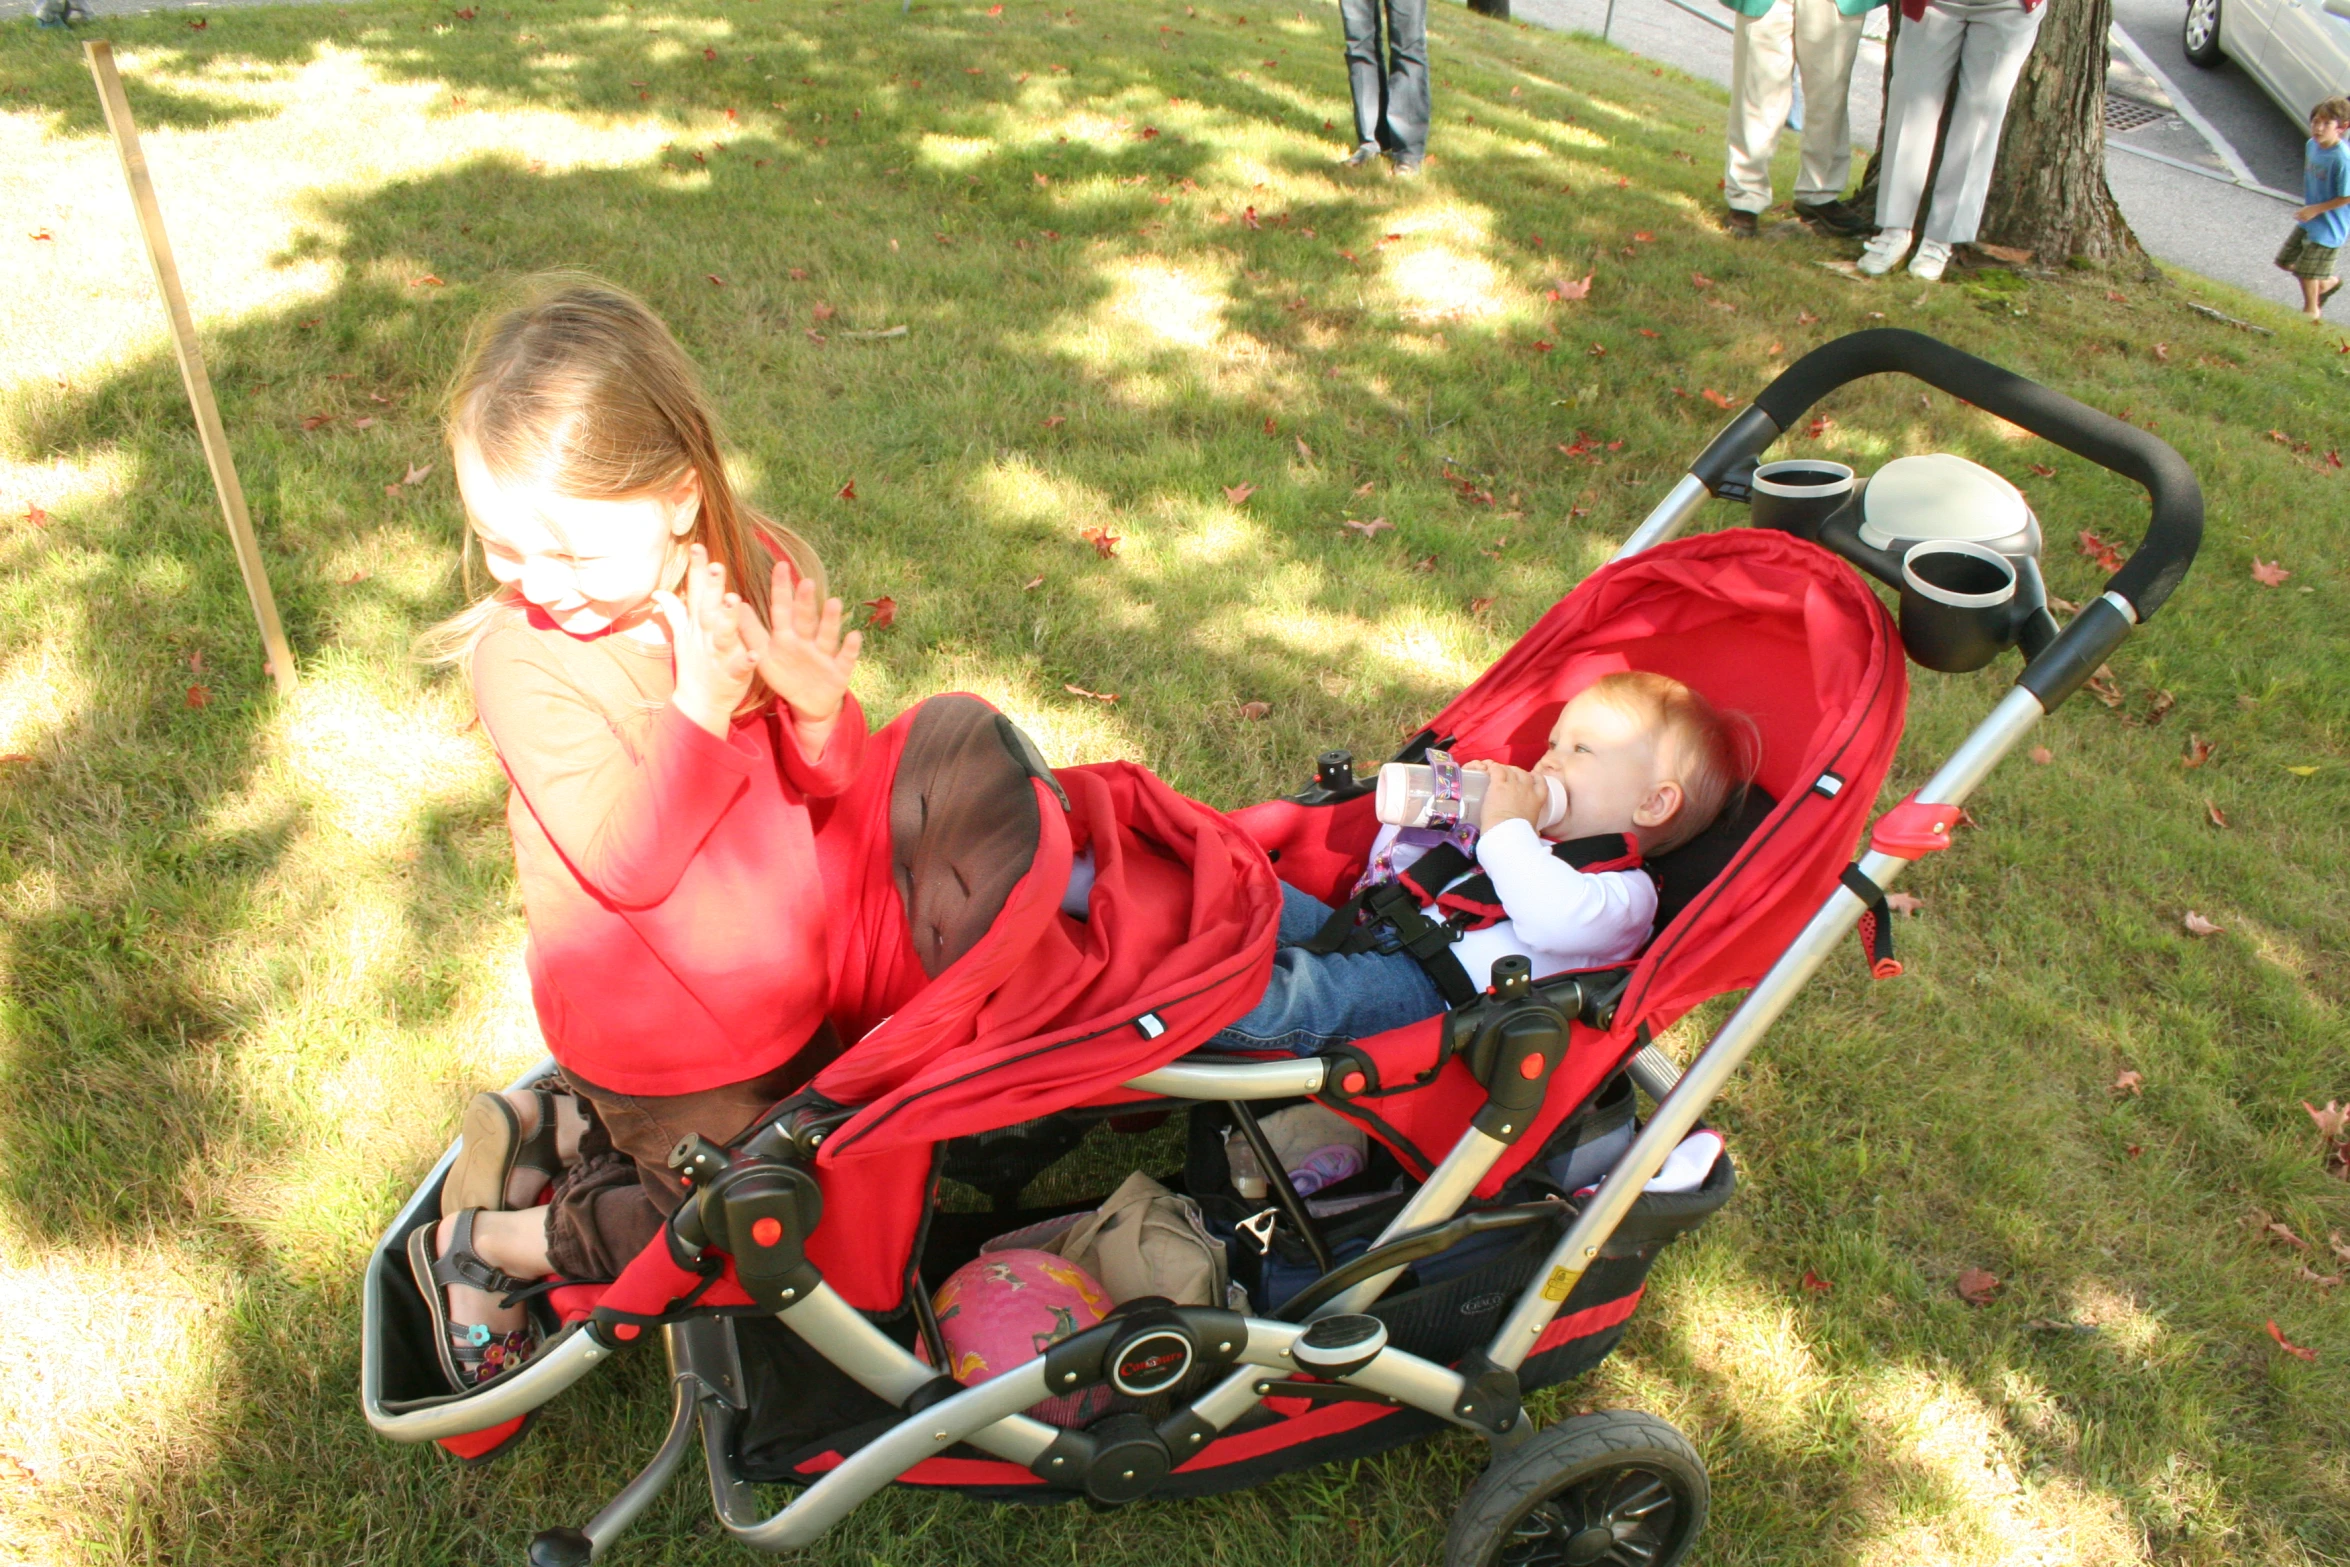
714,660
1511,793
805,659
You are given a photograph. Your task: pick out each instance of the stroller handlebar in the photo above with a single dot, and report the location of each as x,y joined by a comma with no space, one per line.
2173,533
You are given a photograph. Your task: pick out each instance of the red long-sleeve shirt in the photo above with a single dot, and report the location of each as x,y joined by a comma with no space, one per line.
676,912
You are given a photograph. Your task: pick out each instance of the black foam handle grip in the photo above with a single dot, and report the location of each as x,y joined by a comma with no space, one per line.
2175,529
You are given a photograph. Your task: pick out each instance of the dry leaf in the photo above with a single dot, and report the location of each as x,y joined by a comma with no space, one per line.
1480,606
2158,706
1366,487
416,475
2331,1121
2213,814
2041,756
2299,772
35,515
1255,711
199,697
1717,399
1819,428
2324,1281
426,281
2132,1083
1104,697
1104,542
1700,280
885,610
1806,318
1568,291
1370,529
1904,903
2268,573
1425,564
357,576
1239,493
1542,346
1305,453
315,421
2197,753
1055,421
1032,584
1976,1286
2100,551
2196,925
2043,470
2334,1241
2105,687
1816,1284
363,424
2288,1346
847,492
821,311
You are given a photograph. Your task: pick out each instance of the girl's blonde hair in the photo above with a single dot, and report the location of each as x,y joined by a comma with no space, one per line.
1711,754
580,387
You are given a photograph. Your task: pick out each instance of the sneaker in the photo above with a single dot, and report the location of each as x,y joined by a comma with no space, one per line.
1836,217
1366,153
1406,166
1926,266
1883,252
1742,225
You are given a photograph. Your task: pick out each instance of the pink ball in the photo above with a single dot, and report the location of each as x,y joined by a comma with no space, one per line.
1008,1307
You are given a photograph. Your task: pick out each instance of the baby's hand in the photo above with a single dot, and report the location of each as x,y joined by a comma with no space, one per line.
805,659
1511,793
714,663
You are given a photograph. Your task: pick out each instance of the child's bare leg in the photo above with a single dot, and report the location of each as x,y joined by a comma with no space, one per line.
525,1184
2312,297
513,1243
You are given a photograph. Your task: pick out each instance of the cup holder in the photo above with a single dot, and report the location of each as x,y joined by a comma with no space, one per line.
1957,604
1793,495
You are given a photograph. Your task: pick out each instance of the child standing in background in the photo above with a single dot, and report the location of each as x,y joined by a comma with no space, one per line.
2323,224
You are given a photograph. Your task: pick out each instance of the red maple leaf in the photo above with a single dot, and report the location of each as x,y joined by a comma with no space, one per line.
1579,288
710,54
2100,551
1238,494
34,515
1816,1284
1977,1285
1645,331
2288,1346
847,492
1717,399
1541,346
2197,753
1819,427
2268,573
885,610
199,697
1104,542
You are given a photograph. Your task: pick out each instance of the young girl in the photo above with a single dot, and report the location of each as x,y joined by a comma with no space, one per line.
666,687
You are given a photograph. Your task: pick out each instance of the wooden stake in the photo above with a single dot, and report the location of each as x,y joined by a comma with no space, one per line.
191,358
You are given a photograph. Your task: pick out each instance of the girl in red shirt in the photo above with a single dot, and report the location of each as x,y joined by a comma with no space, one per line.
667,688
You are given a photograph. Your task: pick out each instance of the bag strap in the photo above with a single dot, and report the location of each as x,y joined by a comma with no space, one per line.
1876,924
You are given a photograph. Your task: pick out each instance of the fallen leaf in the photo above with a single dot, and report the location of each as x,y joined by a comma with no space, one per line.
199,697
885,610
416,475
35,515
2158,706
715,280
1104,697
2324,1281
797,274
2066,606
2100,551
2134,1149
15,758
710,54
1541,347
426,281
2334,1241
1641,236
199,24
1977,1285
2216,816
2132,1083
2268,573
1775,349
2332,1121
1700,280
1905,903
1032,584
1571,291
2041,756
2196,925
2043,470
1645,331
2105,687
1055,421
358,576
1806,318
1305,453
1480,606
1718,399
2197,753
1816,1284
821,311
2300,772
363,424
1424,565
2288,1346
316,421
1255,711
847,492
1104,542
1237,494
1370,529
1366,487
1819,427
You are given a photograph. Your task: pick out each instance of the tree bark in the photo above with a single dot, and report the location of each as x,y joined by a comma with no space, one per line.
2048,191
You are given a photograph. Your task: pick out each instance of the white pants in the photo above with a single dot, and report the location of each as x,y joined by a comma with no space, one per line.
1765,53
1984,44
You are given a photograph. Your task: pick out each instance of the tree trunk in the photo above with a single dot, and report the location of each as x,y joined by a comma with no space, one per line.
2048,192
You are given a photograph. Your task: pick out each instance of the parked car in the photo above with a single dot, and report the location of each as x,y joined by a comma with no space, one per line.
2298,50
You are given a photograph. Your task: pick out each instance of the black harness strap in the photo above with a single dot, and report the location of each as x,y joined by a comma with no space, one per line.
1396,911
1876,924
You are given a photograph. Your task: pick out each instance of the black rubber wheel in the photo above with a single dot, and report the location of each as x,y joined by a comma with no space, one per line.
1614,1489
2200,36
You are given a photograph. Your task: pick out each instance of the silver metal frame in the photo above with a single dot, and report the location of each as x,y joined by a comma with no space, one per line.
989,1416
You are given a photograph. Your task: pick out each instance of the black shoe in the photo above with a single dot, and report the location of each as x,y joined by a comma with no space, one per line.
1742,225
1366,153
1837,217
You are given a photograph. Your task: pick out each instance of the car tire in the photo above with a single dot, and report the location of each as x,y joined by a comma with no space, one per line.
2199,37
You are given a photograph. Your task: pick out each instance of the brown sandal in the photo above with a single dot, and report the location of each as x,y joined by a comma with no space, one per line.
494,1148
471,1353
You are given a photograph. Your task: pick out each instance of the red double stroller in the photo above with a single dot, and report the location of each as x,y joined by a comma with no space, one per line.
1449,1277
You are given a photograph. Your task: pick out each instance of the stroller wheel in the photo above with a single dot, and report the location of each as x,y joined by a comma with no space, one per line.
1615,1489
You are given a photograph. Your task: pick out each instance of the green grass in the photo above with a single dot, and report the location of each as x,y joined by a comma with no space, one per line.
252,954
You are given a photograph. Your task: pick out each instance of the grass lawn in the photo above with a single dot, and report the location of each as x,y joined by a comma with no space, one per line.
253,953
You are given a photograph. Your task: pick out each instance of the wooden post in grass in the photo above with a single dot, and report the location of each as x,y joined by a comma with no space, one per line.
191,358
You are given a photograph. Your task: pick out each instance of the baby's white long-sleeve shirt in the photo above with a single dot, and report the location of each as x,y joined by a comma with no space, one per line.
1561,918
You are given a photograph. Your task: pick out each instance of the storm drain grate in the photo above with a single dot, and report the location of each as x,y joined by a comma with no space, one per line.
2128,114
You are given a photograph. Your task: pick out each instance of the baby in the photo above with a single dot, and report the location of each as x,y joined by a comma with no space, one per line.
1639,756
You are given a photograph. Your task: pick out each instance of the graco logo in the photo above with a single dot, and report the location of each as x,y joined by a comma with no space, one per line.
1478,1305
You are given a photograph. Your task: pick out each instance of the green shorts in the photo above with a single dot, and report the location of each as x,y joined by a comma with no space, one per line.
2304,259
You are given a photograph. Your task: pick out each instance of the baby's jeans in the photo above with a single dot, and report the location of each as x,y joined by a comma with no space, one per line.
1318,1000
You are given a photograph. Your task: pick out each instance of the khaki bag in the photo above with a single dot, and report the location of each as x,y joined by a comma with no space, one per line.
1145,1240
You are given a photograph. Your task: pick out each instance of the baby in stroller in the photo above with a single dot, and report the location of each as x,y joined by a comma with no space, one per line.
1642,764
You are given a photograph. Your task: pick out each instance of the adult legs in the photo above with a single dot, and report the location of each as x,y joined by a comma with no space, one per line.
1366,71
1762,90
1925,57
1409,100
1994,46
1826,43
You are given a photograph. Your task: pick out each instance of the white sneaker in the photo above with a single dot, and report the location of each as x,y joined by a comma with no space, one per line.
1883,252
1927,264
